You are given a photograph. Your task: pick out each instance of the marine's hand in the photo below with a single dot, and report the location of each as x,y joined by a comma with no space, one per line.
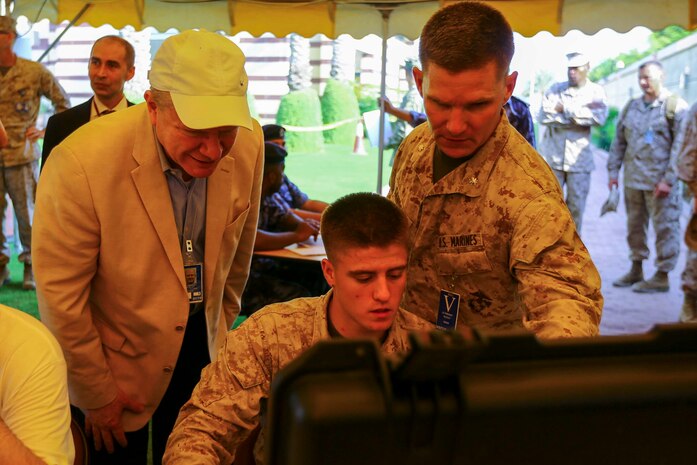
595,104
104,424
661,190
559,107
33,134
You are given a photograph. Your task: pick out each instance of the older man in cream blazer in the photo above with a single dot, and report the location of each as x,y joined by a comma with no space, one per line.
144,229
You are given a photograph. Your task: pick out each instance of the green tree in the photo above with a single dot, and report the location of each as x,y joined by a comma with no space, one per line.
301,108
667,36
657,41
612,65
543,79
367,95
602,136
341,48
339,103
300,69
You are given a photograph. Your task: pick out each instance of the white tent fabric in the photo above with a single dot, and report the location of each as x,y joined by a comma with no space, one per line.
357,17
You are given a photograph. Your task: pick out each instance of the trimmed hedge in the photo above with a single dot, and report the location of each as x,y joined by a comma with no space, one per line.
339,103
367,96
602,136
301,108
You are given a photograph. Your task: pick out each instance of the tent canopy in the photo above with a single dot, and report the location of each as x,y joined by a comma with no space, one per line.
356,17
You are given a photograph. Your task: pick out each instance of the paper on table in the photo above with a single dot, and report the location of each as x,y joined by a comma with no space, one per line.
309,247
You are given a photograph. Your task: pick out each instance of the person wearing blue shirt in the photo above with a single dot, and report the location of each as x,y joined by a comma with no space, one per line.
301,204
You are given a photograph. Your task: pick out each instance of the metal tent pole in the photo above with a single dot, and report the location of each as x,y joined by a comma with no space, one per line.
60,36
385,11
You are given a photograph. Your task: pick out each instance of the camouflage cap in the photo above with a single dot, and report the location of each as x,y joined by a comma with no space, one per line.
8,24
610,204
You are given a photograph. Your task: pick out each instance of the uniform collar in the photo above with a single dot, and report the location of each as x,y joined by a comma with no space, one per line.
321,329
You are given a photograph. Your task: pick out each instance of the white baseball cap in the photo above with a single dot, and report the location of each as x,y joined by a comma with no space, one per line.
204,74
576,60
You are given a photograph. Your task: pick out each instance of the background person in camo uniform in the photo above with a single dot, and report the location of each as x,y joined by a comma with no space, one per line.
568,111
366,240
685,153
645,132
410,102
22,83
491,240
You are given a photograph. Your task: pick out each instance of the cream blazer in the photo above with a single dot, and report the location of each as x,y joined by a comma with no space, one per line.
107,260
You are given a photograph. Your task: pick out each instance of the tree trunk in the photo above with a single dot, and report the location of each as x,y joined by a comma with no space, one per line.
341,69
300,73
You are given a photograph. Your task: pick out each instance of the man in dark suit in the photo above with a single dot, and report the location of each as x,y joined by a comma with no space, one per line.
111,64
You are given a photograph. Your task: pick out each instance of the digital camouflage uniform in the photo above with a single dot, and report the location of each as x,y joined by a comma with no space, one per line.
495,231
225,405
411,102
566,142
518,113
272,211
685,156
291,193
20,97
643,144
271,280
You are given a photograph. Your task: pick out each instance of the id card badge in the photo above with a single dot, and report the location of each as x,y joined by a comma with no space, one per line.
448,308
648,137
194,282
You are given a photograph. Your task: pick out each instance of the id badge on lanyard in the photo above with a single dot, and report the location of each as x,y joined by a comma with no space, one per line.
648,136
448,309
193,272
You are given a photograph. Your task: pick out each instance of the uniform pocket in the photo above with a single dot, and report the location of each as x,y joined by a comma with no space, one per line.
462,263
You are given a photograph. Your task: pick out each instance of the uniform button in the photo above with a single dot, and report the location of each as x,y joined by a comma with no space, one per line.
168,369
421,147
179,327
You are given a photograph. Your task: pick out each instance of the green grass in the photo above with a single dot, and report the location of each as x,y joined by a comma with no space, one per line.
337,171
12,294
324,176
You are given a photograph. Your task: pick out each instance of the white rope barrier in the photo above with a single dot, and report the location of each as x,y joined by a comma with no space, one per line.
324,127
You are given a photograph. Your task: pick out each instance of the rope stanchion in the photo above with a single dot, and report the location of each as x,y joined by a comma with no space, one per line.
324,127
358,145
